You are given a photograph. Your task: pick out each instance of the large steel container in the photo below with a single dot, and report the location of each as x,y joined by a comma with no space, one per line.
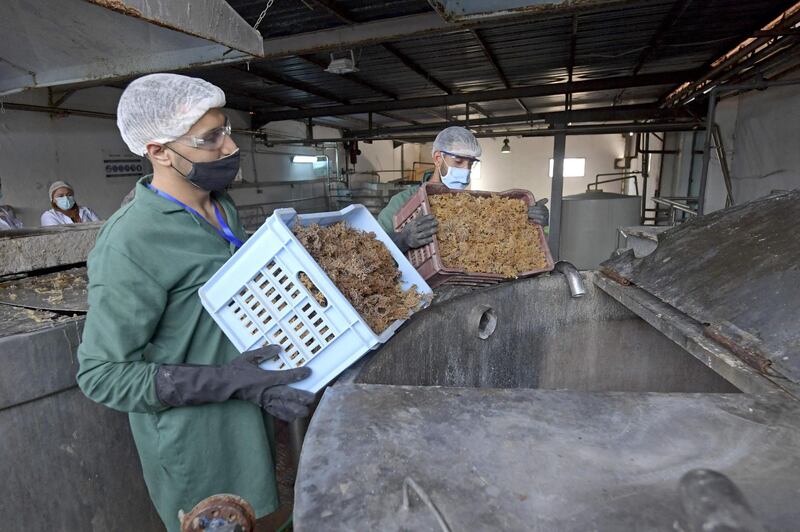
589,224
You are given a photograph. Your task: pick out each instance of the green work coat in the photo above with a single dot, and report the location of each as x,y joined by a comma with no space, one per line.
386,216
150,259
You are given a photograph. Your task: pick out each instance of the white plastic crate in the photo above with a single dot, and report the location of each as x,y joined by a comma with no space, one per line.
257,298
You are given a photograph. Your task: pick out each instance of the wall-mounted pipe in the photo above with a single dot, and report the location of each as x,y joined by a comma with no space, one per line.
573,277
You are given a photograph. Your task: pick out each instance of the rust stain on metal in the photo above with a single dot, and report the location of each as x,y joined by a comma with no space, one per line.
550,8
119,6
614,276
748,354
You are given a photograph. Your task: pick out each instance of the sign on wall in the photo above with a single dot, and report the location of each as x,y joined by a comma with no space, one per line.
124,166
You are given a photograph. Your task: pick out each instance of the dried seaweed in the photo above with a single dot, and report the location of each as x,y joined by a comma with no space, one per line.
364,271
318,295
486,234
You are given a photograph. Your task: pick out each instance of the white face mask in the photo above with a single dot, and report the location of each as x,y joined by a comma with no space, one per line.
65,203
455,178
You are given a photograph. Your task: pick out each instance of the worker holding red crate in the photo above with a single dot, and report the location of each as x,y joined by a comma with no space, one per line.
455,152
200,412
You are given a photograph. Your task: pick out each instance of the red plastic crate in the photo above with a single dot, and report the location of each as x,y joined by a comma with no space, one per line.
427,259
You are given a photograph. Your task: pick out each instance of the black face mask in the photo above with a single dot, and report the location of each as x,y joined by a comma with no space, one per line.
213,176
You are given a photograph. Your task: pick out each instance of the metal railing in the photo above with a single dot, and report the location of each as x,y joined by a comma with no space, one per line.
624,176
254,215
675,206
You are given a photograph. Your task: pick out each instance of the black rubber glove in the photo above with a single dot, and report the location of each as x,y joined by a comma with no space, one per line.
417,233
539,213
188,385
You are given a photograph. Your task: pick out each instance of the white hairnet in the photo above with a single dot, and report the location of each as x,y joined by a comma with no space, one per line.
163,107
458,141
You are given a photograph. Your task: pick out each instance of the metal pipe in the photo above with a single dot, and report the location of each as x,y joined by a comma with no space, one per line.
542,132
723,164
645,175
298,200
712,109
556,192
617,180
619,82
265,184
56,110
675,206
597,114
297,433
573,277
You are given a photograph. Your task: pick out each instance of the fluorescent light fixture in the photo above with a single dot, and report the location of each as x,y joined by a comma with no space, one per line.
342,65
304,158
573,167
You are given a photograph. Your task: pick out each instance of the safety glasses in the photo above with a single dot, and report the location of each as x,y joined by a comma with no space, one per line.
211,140
457,160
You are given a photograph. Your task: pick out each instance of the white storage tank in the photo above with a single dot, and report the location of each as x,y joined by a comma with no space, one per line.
589,224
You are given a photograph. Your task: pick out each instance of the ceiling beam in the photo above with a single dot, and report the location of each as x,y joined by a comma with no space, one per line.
605,129
355,35
675,13
724,60
573,46
358,80
492,58
412,65
364,83
308,88
575,116
642,80
343,16
335,11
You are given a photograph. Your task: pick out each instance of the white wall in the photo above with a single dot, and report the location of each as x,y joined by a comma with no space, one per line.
527,166
381,160
374,159
37,149
760,131
282,183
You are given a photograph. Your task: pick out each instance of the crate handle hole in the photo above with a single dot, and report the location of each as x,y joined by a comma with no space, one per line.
312,289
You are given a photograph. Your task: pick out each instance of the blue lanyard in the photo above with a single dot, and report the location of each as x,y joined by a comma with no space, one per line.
225,232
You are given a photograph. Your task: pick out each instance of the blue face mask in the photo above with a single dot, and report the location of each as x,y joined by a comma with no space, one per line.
456,178
65,203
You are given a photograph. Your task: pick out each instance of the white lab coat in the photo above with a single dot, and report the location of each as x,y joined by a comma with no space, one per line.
54,217
7,219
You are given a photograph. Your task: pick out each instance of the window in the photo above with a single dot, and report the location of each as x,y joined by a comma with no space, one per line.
573,167
475,173
306,158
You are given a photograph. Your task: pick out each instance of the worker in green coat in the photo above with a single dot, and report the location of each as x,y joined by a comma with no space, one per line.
200,412
455,152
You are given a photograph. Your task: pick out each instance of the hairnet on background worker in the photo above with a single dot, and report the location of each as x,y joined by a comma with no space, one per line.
455,151
64,209
197,408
